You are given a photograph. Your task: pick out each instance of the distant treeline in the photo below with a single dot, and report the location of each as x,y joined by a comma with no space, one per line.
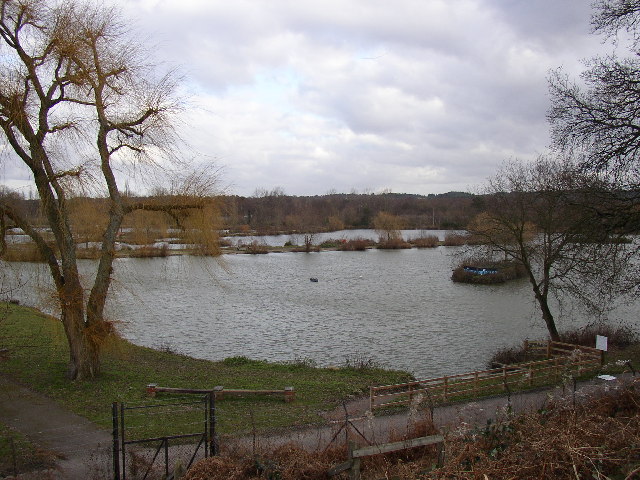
272,212
275,212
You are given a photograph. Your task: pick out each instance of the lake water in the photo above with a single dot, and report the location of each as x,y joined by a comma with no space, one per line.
318,238
398,308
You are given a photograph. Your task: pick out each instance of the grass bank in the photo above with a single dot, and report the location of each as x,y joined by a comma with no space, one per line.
18,454
37,357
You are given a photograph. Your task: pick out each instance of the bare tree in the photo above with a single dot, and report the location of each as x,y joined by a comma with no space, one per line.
549,216
600,116
77,101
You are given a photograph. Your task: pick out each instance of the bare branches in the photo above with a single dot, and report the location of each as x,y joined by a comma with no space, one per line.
601,117
552,218
77,100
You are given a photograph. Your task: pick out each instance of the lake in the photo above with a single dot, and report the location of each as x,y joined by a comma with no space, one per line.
398,307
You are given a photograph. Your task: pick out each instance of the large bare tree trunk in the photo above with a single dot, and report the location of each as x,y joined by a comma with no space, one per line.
84,360
547,316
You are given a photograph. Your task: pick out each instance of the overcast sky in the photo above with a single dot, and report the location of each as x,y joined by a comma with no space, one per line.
411,96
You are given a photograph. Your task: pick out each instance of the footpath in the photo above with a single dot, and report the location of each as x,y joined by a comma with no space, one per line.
84,450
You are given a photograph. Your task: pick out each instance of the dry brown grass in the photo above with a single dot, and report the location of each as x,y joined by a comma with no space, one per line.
455,239
393,244
23,252
357,244
427,241
149,251
598,439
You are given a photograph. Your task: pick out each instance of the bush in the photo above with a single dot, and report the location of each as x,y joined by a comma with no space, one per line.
331,243
619,336
455,239
393,244
254,248
427,241
149,251
23,252
508,356
359,244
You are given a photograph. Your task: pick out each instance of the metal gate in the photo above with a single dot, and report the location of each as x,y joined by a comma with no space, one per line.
175,422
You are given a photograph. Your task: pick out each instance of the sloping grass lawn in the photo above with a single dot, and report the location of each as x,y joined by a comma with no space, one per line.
37,356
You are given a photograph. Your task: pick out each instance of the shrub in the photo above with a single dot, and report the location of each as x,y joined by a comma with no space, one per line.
619,336
331,243
508,356
23,252
149,251
359,244
393,244
255,248
427,241
455,239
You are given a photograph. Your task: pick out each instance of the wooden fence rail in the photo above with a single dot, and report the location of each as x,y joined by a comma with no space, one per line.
560,359
288,393
353,462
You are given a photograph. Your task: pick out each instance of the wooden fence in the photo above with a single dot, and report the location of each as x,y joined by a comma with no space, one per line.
558,359
353,462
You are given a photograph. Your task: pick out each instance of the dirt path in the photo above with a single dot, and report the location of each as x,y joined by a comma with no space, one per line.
84,449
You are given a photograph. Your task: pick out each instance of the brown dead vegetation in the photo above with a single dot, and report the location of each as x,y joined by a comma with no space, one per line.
597,437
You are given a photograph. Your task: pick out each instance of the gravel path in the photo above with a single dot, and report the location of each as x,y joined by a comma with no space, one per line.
85,449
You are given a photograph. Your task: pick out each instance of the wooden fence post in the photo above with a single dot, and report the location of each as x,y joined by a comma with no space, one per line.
289,394
354,472
525,347
549,349
446,387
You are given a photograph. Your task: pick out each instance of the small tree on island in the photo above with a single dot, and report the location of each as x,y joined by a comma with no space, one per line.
551,217
388,227
78,103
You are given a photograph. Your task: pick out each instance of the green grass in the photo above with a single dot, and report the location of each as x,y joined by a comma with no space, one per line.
38,357
18,455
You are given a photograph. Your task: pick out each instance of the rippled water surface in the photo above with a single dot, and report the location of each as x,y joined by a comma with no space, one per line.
399,308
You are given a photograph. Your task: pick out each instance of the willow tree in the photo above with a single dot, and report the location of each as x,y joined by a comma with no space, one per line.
77,103
553,219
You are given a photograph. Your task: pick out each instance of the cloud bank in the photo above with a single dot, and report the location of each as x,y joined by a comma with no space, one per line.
415,96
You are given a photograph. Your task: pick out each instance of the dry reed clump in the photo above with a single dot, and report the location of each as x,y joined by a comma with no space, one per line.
427,241
255,248
455,239
598,439
23,252
393,244
149,251
356,244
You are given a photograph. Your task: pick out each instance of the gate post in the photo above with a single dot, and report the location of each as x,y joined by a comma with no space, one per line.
116,442
213,444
